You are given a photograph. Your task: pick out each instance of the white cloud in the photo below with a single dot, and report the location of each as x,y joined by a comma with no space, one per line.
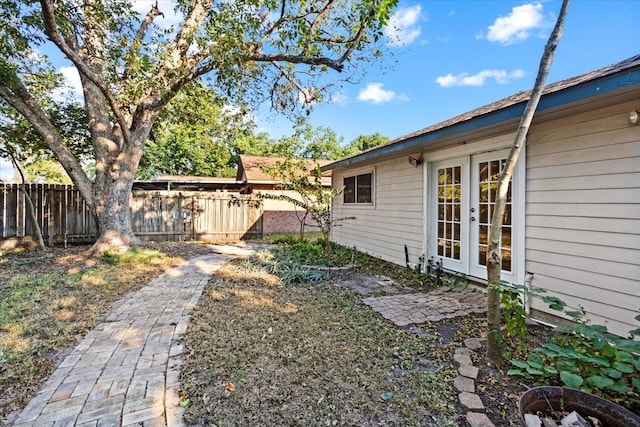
72,85
516,26
465,79
375,93
402,28
72,79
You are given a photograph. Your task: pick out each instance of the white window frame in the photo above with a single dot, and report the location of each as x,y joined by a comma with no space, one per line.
371,189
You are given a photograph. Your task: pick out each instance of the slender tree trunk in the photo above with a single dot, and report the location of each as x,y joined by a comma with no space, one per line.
302,224
32,217
494,256
30,209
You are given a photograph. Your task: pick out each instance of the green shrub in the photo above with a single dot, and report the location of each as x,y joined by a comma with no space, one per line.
287,268
513,298
586,357
287,239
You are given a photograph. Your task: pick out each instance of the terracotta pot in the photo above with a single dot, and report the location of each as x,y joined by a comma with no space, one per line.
539,399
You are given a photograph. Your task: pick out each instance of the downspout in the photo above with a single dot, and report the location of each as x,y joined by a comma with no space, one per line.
528,278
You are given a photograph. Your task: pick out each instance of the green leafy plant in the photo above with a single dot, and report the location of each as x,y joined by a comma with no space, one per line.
293,273
287,267
513,299
304,251
585,356
514,313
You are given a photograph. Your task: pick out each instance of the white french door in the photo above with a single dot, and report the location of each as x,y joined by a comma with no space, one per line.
452,206
463,197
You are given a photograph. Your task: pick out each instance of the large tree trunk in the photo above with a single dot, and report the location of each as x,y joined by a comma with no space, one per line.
115,173
494,256
113,216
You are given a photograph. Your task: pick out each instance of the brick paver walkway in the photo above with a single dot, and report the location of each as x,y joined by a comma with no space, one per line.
416,308
126,371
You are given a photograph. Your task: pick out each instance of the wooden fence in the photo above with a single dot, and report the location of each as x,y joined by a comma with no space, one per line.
156,215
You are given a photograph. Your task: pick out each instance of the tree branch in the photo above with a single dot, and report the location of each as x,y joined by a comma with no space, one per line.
494,257
51,29
335,64
359,35
136,43
23,102
321,15
175,72
177,55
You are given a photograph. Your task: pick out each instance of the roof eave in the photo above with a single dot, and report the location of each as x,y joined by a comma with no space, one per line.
506,115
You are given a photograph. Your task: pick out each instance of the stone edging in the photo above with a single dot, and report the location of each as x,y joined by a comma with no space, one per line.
331,270
465,383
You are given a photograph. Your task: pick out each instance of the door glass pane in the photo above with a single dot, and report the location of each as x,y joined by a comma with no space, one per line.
487,187
449,205
483,233
484,213
482,255
507,214
506,260
506,237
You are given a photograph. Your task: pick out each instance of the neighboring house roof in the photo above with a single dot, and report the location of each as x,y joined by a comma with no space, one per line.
189,183
249,172
250,169
619,76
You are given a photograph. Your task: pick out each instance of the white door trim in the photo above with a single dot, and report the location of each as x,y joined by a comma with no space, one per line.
465,155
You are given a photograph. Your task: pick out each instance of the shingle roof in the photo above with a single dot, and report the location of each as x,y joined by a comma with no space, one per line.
502,104
250,167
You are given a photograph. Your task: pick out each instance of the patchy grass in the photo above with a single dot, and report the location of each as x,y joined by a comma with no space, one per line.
49,300
260,353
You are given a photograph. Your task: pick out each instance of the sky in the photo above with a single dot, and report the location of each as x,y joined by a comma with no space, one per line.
444,58
450,57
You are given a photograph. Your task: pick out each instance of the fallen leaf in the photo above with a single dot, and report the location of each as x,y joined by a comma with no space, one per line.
229,387
344,349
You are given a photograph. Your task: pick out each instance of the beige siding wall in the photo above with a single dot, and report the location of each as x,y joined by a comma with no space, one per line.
395,217
583,213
